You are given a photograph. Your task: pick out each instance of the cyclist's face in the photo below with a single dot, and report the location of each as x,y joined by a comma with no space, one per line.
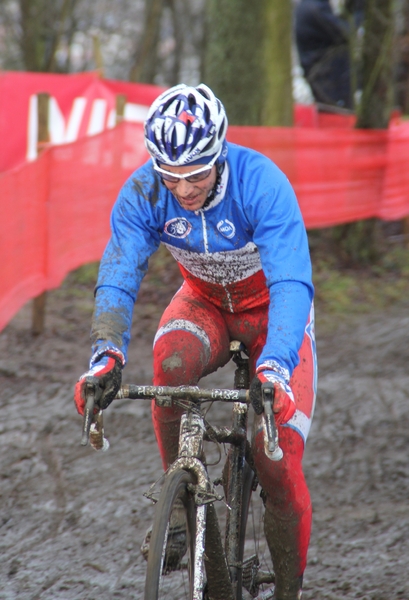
190,195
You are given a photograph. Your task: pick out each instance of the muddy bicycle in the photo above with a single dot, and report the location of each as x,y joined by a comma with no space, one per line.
216,565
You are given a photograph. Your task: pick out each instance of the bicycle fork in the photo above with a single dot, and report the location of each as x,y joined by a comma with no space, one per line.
190,452
210,555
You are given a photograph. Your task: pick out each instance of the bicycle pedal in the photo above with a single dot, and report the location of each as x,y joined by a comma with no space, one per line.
249,575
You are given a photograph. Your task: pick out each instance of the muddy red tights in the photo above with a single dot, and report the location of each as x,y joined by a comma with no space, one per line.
192,341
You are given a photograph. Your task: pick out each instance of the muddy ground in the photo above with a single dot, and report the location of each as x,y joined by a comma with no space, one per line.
72,520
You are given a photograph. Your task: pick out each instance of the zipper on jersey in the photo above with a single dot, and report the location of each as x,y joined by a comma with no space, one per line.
206,248
204,231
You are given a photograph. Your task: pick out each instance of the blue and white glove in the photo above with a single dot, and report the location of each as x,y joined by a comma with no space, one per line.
283,404
106,369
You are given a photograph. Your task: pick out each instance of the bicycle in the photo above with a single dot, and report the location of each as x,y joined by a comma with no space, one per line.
215,567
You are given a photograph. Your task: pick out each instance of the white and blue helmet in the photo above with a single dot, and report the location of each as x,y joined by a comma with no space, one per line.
186,125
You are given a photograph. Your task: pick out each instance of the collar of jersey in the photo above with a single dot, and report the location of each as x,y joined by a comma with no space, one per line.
221,192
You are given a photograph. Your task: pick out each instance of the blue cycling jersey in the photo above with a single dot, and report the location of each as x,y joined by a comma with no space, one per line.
247,248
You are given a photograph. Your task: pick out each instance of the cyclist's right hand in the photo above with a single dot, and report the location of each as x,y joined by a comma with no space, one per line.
283,405
106,370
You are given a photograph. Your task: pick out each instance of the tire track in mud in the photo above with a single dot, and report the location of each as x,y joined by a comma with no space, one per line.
48,584
52,460
40,450
72,520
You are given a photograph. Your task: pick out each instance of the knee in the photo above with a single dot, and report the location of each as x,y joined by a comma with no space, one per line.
179,358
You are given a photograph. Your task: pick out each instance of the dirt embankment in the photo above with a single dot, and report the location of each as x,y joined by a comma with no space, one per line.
72,520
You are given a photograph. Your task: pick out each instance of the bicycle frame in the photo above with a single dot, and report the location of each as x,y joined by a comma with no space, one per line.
194,430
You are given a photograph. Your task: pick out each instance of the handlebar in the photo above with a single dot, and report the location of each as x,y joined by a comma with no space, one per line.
165,395
140,392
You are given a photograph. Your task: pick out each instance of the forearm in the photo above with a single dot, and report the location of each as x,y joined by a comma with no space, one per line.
112,318
290,306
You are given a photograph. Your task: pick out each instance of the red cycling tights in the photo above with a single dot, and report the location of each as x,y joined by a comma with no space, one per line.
193,341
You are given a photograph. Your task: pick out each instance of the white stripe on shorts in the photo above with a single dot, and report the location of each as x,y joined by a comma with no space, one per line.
184,325
301,423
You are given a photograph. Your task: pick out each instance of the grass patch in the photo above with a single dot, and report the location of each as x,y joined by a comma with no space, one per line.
85,275
341,291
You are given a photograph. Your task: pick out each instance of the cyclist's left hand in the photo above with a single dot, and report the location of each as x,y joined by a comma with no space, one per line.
283,405
106,369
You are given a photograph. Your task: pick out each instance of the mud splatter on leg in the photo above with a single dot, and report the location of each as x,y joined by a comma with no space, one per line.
179,359
288,515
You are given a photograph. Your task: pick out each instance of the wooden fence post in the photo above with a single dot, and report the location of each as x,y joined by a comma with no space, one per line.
120,108
43,138
99,63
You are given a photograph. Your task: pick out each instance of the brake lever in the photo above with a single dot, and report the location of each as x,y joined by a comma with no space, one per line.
93,423
273,450
88,412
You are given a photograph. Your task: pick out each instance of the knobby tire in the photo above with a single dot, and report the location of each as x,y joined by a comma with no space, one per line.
160,585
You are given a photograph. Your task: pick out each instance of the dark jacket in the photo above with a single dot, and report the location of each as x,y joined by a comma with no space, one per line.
322,43
317,29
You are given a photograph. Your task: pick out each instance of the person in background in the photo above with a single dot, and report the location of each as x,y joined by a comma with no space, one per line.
231,220
323,48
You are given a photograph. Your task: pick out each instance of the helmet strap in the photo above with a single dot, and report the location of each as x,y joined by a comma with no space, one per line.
212,194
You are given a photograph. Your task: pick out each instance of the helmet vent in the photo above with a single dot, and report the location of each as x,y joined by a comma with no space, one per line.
185,124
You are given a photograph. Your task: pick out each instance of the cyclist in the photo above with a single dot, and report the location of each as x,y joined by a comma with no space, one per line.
231,220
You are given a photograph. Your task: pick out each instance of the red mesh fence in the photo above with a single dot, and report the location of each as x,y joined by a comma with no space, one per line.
339,175
76,100
55,211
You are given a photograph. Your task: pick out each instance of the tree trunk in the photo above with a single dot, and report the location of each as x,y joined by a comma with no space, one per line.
401,74
177,25
377,83
278,97
363,241
32,40
43,23
144,68
233,58
248,59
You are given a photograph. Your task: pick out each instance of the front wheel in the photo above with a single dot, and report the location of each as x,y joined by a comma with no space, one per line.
174,528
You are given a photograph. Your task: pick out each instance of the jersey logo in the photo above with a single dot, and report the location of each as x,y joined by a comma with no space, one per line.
226,228
178,228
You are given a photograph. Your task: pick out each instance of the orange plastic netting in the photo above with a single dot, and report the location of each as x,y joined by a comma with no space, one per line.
55,210
339,175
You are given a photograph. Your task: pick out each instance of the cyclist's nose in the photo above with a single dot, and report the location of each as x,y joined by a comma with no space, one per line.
184,188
